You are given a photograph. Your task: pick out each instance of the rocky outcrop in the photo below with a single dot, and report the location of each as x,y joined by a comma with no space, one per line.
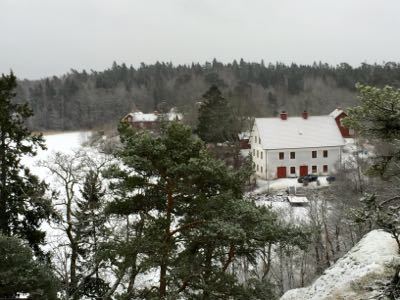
363,273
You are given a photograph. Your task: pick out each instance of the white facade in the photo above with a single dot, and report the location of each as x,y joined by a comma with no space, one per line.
293,161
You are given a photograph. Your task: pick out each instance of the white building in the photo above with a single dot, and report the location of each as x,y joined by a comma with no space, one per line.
295,146
139,119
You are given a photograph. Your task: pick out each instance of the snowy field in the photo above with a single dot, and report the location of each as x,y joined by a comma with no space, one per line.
61,142
65,143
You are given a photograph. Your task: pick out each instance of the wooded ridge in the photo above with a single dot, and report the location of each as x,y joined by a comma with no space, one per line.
85,100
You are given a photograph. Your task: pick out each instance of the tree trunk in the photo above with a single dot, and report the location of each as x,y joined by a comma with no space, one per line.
207,271
167,242
3,192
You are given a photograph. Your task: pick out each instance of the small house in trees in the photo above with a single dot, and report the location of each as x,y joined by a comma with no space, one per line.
338,114
244,140
150,121
295,146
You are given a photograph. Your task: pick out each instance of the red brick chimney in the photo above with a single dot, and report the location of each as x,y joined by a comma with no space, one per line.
304,114
283,115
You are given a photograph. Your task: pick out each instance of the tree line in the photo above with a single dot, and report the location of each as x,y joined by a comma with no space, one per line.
89,99
163,207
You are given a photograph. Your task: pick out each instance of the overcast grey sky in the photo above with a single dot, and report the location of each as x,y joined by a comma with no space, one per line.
39,38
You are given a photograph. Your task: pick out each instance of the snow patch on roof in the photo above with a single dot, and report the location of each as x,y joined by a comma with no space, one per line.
297,132
152,117
336,112
244,135
141,117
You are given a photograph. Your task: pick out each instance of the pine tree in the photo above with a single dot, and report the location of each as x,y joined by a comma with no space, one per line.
20,273
194,222
23,205
216,121
91,230
377,119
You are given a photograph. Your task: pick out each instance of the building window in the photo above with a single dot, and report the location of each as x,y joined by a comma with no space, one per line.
314,169
314,154
257,168
325,153
257,153
292,170
292,155
259,140
281,155
254,152
325,168
261,169
261,154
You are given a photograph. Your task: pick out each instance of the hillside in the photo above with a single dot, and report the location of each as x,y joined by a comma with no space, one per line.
363,273
84,100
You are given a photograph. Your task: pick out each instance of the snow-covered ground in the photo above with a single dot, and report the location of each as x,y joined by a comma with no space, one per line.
280,205
360,274
61,142
64,143
68,143
264,186
351,151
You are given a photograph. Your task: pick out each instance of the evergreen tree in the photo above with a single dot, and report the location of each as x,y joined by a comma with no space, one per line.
272,104
91,230
194,222
23,205
377,119
216,121
21,274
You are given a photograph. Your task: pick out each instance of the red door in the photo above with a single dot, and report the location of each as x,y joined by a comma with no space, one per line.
303,170
281,172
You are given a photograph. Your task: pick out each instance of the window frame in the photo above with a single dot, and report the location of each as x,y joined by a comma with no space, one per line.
292,170
281,155
314,152
325,168
325,153
293,156
312,169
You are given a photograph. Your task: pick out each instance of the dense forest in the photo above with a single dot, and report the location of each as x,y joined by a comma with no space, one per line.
84,100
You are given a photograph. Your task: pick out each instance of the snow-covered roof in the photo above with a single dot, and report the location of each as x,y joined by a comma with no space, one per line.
244,135
152,117
141,117
336,112
297,199
174,116
296,132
